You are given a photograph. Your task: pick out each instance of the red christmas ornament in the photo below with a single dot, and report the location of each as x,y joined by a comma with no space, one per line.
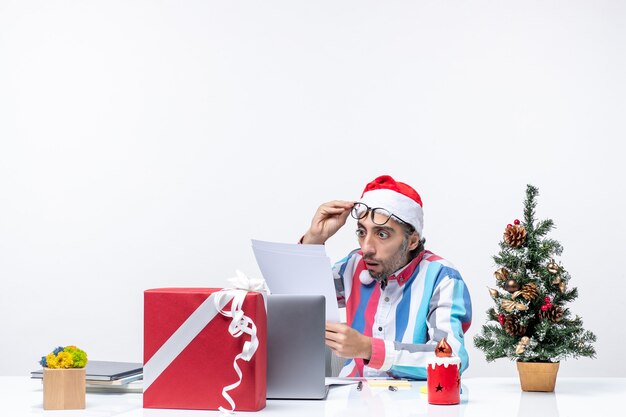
545,307
501,319
509,225
547,300
516,221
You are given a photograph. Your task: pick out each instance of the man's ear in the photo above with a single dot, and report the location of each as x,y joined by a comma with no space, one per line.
414,241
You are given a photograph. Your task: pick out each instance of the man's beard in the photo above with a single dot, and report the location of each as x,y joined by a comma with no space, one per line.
392,265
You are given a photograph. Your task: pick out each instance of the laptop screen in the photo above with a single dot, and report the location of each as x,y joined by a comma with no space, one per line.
296,353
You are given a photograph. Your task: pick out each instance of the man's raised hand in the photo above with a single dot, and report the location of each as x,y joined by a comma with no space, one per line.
328,218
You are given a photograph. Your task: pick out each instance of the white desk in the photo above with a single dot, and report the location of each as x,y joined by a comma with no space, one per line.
482,397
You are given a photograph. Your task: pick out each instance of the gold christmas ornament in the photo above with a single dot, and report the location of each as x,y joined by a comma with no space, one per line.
515,235
521,346
553,267
557,280
562,287
529,291
510,305
511,286
494,293
502,274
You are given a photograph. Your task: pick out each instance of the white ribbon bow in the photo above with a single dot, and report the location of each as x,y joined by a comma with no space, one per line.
240,324
243,282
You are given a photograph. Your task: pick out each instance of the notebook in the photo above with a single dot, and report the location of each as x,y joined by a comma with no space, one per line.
105,370
296,352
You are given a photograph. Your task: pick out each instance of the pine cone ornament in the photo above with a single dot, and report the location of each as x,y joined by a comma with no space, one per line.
513,327
515,235
553,313
529,291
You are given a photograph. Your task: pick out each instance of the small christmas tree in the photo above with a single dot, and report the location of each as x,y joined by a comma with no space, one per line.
530,322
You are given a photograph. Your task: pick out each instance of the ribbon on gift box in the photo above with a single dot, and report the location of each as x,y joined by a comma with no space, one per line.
241,324
214,304
243,282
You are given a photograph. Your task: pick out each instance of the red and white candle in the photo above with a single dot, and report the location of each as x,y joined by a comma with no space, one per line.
444,377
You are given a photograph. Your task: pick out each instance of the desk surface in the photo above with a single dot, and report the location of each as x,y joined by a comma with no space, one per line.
21,396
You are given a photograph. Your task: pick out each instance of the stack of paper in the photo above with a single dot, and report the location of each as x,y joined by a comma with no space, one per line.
109,376
299,270
135,386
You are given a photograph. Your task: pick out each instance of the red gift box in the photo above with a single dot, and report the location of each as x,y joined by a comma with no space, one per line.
189,352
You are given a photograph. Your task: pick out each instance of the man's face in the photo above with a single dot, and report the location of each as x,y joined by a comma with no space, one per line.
385,248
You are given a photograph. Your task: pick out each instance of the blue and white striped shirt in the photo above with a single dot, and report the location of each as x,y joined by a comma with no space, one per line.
423,302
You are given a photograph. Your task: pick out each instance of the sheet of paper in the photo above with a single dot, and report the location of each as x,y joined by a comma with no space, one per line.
330,380
298,269
317,250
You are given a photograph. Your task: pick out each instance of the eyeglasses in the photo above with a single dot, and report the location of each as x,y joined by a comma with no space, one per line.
380,216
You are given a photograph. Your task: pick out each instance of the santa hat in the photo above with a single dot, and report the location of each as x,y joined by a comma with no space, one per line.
398,198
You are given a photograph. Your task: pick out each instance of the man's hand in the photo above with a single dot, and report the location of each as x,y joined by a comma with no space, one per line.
347,342
328,218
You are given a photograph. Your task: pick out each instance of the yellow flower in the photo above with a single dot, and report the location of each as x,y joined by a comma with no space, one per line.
52,360
62,360
65,360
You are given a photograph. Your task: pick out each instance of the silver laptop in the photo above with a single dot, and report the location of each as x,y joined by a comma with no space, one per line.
296,353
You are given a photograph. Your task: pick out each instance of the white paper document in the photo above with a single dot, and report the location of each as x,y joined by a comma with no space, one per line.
298,269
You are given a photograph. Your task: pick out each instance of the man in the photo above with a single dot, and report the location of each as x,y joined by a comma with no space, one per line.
400,299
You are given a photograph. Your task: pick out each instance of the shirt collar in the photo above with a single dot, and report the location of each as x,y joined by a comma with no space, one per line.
402,275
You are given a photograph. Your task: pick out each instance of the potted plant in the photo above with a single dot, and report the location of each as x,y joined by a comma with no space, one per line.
64,378
530,322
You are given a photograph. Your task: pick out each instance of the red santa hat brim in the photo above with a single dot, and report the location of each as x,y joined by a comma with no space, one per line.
398,198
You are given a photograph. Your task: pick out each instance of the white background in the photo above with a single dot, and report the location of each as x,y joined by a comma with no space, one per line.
144,143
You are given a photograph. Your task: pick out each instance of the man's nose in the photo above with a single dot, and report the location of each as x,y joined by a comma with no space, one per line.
367,246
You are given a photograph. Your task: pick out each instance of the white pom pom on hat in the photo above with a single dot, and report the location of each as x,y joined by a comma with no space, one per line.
396,197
